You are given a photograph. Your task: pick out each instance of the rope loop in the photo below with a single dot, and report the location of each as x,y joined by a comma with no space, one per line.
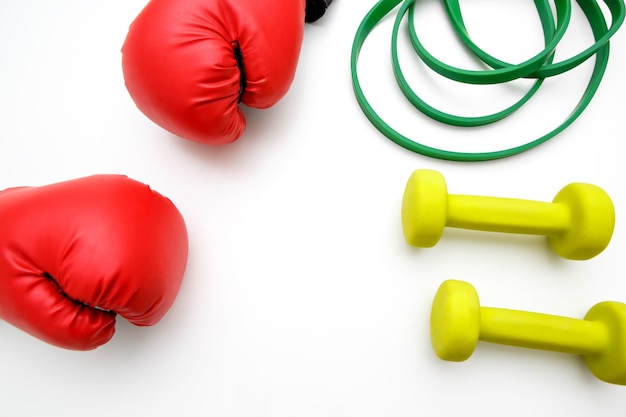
538,68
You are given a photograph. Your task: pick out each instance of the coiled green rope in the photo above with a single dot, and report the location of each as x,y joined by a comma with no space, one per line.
538,68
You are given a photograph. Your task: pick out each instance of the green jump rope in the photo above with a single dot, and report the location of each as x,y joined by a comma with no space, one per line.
538,68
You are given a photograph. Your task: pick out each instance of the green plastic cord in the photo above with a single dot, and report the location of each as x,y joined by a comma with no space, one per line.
538,67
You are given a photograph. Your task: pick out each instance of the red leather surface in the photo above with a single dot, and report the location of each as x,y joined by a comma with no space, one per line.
75,254
180,67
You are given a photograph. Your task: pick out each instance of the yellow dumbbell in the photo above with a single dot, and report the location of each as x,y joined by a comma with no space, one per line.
578,222
458,322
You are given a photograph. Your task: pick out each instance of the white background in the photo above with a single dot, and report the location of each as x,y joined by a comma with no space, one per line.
301,297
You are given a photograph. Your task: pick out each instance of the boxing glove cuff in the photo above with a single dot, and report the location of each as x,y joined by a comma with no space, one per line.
315,9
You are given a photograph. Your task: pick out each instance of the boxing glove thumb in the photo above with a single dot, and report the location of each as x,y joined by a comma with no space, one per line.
75,254
188,64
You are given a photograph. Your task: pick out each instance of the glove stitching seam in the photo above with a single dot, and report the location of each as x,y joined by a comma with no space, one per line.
53,281
240,66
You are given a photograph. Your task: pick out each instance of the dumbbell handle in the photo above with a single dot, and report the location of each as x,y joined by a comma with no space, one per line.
508,215
542,331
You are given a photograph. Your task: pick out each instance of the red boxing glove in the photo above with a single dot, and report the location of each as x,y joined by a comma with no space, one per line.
76,253
189,63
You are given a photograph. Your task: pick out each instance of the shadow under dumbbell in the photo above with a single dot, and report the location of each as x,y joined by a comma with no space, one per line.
491,245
